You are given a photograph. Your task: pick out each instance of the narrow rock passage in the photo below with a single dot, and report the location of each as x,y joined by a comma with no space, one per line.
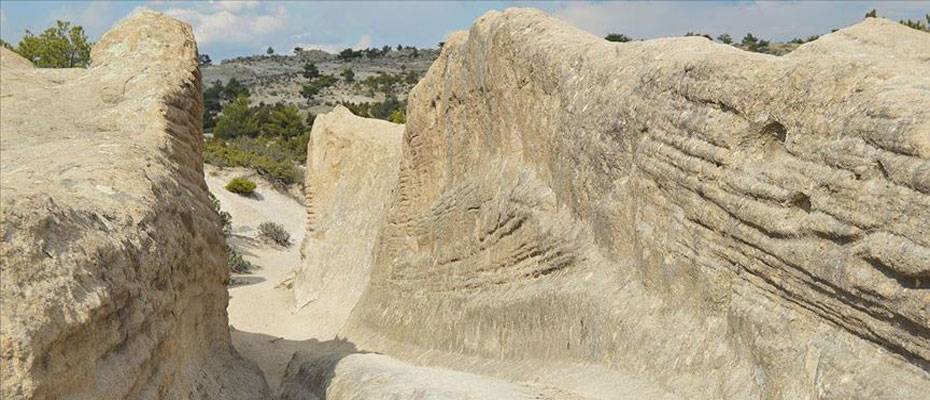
265,327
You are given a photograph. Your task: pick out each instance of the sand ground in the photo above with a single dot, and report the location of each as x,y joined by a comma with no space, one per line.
266,327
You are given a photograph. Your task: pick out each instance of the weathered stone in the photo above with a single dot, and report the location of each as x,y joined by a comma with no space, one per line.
345,376
719,223
351,171
113,268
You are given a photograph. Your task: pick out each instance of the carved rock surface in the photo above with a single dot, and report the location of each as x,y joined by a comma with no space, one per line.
719,223
113,268
352,165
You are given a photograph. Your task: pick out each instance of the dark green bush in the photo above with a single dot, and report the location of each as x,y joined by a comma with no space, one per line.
241,186
274,232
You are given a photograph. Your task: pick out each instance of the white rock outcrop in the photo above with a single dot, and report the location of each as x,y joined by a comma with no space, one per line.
113,266
672,215
352,165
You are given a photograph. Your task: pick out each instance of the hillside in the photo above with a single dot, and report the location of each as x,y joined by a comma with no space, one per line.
278,78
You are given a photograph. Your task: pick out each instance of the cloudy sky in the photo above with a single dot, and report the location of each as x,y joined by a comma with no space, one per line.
226,29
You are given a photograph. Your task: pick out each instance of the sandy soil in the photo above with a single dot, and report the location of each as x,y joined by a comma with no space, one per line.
265,326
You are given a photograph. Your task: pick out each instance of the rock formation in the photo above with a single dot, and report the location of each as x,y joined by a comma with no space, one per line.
352,165
376,376
712,222
113,268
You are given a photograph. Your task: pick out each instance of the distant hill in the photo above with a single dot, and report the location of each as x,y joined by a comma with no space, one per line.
278,78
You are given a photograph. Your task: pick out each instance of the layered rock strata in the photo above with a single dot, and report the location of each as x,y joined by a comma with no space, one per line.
722,224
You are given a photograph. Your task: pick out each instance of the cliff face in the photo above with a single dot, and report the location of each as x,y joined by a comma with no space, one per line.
351,171
722,223
113,274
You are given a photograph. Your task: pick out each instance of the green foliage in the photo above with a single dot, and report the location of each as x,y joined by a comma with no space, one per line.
388,83
270,51
273,159
689,34
218,94
275,233
284,122
236,263
617,37
234,89
225,217
61,46
311,117
872,14
754,44
310,71
381,110
349,55
236,120
399,116
802,41
725,38
309,91
6,44
241,186
348,75
204,60
918,24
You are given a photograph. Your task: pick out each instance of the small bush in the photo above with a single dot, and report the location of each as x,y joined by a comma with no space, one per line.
236,263
275,233
241,186
225,217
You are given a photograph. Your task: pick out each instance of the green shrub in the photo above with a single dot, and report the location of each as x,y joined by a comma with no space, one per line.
274,232
236,263
225,217
241,186
272,158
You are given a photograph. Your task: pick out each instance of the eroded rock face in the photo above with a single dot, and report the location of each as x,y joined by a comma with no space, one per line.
352,165
720,223
113,274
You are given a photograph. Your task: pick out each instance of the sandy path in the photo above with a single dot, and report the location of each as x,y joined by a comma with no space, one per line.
265,328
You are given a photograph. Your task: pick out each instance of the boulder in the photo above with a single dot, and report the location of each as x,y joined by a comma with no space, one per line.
113,262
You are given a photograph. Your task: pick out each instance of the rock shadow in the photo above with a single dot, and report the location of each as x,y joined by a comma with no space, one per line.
244,280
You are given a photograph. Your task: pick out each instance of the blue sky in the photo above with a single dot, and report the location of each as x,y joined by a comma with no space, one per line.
227,29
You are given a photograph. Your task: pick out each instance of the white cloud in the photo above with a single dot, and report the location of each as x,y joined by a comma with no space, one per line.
769,19
234,5
231,22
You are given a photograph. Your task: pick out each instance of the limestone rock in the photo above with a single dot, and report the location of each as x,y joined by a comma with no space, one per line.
113,271
357,376
720,224
351,171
